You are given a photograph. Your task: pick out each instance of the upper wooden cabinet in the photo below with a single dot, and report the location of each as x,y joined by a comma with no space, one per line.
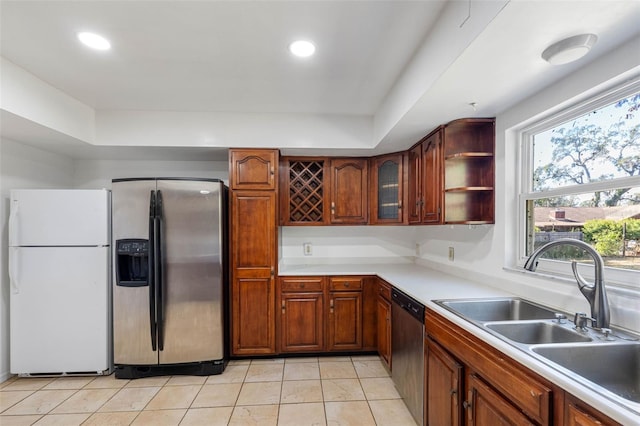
322,191
349,191
253,169
425,180
387,189
447,177
304,188
469,146
432,178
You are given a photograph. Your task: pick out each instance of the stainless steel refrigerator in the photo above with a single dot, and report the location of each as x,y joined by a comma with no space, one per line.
170,276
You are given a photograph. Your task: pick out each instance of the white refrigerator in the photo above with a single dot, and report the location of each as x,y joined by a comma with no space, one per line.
59,271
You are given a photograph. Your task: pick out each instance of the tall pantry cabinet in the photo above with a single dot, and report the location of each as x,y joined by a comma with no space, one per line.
253,187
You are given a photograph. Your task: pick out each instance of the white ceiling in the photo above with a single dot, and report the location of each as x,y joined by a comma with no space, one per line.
231,56
219,56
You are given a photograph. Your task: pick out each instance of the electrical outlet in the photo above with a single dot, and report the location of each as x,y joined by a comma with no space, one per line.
451,253
306,249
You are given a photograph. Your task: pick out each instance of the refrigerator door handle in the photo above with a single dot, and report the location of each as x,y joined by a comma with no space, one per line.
13,228
151,266
13,277
159,265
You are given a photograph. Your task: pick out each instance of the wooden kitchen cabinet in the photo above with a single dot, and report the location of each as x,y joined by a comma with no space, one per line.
348,196
469,146
253,262
324,191
345,314
497,388
387,189
485,406
432,178
301,314
444,391
253,169
425,180
576,413
253,252
383,320
319,314
304,188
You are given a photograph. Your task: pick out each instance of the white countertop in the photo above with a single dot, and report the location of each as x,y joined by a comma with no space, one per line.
426,285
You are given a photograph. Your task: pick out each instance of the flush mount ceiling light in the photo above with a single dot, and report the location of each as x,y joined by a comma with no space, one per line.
94,41
570,49
302,48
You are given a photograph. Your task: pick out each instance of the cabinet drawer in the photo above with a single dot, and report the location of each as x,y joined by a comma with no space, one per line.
384,290
345,284
300,285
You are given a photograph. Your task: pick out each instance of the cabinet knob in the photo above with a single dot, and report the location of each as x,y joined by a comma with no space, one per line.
301,285
346,284
466,405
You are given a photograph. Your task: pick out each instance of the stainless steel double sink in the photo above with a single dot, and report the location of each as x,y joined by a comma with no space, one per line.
606,363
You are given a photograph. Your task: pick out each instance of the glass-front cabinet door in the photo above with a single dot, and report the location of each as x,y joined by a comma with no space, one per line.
387,201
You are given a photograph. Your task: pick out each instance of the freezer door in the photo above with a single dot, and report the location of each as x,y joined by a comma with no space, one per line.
132,332
59,217
59,310
191,327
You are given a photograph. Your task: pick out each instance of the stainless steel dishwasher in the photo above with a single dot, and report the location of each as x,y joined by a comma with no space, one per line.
407,351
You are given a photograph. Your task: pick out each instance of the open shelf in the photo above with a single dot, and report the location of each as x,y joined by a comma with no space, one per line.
466,155
469,188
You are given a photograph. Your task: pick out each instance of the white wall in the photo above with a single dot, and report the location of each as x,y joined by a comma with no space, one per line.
95,174
29,97
347,244
22,166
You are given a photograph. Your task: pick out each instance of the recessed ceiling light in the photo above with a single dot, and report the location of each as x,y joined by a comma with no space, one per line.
302,48
570,49
94,41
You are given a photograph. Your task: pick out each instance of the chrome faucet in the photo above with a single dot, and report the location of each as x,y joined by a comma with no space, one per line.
595,294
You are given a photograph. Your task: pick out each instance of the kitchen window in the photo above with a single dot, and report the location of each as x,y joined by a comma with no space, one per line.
581,179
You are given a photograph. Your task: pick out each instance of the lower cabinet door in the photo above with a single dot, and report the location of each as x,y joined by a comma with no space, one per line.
486,407
345,321
444,387
384,330
253,320
301,322
575,416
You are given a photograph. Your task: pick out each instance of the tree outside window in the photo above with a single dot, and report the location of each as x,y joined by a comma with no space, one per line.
585,183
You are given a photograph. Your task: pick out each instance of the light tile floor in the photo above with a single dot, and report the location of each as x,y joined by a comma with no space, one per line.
332,391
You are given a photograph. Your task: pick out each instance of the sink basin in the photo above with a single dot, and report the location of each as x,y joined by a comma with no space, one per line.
511,309
537,333
615,367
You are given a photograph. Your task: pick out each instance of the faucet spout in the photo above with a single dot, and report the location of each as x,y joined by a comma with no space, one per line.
595,294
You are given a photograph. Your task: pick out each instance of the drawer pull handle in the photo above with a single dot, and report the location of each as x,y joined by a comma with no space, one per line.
466,405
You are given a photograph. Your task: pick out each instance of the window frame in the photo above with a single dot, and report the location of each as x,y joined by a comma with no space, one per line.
559,268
